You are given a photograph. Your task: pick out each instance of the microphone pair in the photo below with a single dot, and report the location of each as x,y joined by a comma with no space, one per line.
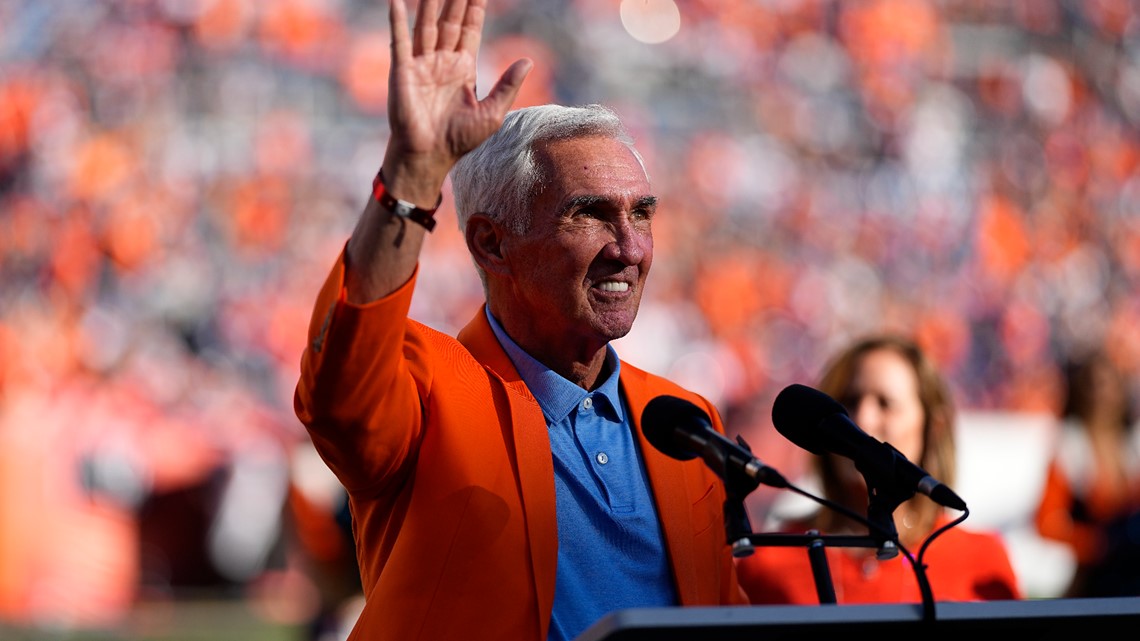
809,419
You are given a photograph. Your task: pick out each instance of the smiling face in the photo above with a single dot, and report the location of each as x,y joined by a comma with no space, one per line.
576,276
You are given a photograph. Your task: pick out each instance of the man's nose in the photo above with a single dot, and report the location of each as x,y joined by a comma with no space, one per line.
628,243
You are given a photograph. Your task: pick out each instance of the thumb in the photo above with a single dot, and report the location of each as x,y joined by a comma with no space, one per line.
507,87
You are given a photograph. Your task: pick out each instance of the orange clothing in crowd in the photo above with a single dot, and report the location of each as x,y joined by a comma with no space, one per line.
1082,497
1090,501
962,565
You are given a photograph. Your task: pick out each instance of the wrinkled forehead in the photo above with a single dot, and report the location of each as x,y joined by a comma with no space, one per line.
590,164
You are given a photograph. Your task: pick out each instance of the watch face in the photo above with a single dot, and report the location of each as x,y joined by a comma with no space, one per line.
403,209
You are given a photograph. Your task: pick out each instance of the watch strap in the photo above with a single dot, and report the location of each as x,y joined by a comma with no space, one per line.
403,208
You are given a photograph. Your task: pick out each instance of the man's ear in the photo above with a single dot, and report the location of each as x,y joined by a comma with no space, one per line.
485,242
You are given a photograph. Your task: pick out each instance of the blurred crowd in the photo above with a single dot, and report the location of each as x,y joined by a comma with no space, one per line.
176,176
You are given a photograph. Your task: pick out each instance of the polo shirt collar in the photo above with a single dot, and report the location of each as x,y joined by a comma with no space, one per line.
556,395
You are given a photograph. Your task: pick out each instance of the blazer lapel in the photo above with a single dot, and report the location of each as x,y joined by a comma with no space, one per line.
532,452
667,478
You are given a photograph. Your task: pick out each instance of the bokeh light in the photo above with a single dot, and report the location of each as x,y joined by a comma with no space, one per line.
651,21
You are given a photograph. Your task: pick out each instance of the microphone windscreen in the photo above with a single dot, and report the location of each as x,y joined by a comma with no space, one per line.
665,421
798,412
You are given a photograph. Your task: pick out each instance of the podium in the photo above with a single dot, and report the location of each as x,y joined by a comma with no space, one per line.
1039,619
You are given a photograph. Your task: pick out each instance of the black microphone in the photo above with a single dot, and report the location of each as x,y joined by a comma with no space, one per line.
682,430
818,423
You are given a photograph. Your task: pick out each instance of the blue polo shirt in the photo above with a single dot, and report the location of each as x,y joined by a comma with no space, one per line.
611,552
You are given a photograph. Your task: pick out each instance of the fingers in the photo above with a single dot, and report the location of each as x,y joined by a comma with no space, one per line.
458,27
426,33
472,30
398,25
450,24
508,85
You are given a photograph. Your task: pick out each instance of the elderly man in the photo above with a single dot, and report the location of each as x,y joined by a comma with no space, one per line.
500,484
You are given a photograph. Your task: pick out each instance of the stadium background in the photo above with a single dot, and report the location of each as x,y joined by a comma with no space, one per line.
176,177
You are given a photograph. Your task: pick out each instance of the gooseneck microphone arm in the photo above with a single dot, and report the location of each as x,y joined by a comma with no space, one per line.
683,431
819,424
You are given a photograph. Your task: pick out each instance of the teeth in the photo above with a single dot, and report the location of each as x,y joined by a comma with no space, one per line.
611,286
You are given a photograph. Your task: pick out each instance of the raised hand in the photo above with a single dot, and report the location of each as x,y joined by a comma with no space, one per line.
434,117
434,113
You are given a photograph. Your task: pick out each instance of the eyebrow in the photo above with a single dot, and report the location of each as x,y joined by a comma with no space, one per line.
581,202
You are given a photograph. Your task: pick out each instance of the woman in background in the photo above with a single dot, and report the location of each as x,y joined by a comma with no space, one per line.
896,395
1092,485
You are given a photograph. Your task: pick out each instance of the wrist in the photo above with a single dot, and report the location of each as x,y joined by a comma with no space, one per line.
415,177
404,209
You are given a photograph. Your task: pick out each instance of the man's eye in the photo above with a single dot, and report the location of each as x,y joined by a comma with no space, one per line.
642,213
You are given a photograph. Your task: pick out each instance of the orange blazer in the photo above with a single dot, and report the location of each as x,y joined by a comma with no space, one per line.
446,459
961,565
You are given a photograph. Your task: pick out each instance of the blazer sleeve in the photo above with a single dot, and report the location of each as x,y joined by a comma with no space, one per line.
363,373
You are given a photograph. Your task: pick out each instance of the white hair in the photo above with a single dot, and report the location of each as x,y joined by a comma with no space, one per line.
500,177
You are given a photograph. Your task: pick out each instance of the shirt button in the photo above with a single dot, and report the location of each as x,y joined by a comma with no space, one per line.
602,458
588,403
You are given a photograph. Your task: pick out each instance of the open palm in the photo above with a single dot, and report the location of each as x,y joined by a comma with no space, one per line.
433,109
